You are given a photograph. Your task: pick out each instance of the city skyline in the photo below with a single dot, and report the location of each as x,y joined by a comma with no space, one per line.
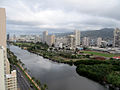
59,45
61,15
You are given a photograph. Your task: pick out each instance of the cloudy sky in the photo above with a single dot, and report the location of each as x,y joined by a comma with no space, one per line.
61,15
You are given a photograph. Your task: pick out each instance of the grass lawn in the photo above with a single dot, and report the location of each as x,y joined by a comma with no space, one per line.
100,54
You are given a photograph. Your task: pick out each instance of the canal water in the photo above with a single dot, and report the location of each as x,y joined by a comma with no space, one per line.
56,75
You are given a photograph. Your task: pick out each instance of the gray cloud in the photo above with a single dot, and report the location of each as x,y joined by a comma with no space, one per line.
61,15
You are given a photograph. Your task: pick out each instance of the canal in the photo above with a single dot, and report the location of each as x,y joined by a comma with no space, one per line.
56,75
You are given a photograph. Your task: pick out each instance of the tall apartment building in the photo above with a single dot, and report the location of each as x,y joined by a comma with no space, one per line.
116,37
2,69
45,35
7,81
2,28
50,40
4,63
99,41
3,36
71,41
85,41
77,37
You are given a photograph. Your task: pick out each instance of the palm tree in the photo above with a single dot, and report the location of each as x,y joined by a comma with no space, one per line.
19,61
25,69
23,64
44,87
33,78
38,82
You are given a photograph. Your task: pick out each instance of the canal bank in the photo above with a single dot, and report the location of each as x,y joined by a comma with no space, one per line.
56,75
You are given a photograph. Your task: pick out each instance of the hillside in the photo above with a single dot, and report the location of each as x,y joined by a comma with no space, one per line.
106,33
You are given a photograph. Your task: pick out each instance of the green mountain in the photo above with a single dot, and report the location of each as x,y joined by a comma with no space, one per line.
106,33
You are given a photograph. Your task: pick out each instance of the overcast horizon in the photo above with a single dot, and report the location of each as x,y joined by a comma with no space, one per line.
60,15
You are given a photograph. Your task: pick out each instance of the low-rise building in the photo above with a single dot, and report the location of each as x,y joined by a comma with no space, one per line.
11,81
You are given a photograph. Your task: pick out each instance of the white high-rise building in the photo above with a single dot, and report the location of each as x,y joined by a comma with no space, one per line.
77,37
2,69
99,41
50,40
85,41
45,35
4,63
2,28
71,41
117,37
7,81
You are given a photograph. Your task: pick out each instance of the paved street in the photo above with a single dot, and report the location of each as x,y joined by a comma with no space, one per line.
23,83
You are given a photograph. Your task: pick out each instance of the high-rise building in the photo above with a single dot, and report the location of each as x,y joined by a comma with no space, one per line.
50,40
85,41
117,37
2,28
2,69
77,37
3,36
4,63
8,81
71,41
99,41
45,35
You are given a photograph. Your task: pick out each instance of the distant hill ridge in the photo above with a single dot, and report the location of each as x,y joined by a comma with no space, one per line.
106,33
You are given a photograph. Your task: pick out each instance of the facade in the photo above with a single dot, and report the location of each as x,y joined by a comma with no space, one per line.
50,40
77,37
45,35
4,63
36,39
85,41
117,37
2,28
2,69
99,41
11,81
3,36
104,44
71,41
7,66
92,42
60,42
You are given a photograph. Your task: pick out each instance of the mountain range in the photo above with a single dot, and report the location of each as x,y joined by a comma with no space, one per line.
105,33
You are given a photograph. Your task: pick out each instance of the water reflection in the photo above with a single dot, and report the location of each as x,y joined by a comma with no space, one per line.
57,76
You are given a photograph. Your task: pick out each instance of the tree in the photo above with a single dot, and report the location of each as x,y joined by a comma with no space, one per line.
23,64
25,69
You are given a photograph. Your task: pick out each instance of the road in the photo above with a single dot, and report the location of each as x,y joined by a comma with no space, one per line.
22,81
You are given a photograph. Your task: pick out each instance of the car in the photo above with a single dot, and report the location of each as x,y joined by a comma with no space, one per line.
31,85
